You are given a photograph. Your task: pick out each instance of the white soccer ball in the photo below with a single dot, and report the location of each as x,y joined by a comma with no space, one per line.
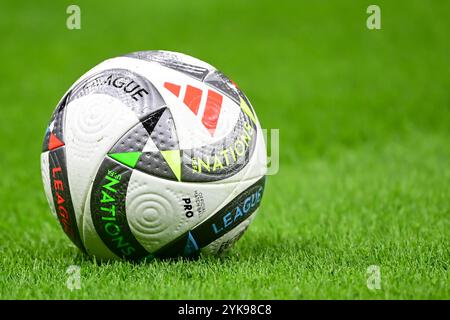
153,154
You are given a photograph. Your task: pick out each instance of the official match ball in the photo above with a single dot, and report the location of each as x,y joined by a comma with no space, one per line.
153,154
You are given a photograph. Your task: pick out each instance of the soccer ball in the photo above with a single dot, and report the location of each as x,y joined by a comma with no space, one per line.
153,154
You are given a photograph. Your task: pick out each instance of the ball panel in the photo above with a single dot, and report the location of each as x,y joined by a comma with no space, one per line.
108,210
255,167
222,159
93,125
131,88
56,125
45,174
176,61
225,242
61,195
221,222
222,83
92,241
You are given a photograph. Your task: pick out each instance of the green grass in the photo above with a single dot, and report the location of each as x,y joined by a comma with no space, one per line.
364,119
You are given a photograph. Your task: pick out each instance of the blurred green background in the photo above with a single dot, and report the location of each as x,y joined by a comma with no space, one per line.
364,145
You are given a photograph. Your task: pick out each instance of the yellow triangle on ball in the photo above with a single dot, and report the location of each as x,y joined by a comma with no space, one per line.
173,159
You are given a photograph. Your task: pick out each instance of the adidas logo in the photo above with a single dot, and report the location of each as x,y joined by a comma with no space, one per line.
192,98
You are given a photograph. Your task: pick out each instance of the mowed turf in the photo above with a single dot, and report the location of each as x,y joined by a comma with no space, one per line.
364,146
